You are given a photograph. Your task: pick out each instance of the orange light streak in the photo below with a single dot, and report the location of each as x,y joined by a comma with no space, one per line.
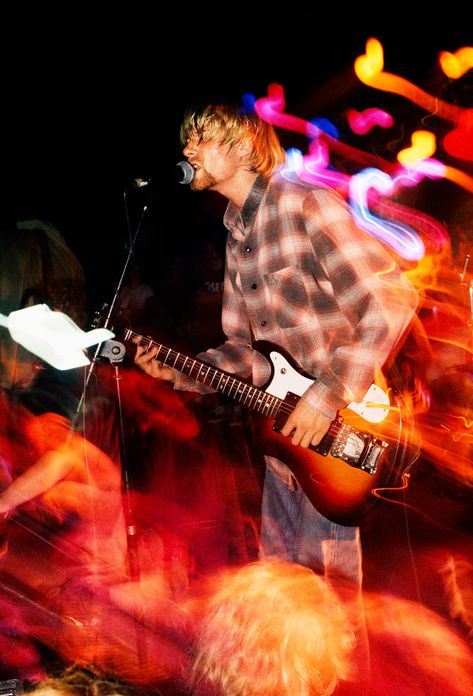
369,70
455,65
423,145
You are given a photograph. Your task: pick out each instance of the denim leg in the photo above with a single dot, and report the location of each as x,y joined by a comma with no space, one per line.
280,514
291,528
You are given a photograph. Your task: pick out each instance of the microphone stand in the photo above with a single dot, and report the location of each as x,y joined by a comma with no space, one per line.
115,353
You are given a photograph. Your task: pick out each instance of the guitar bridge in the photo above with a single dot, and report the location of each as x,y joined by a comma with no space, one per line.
357,448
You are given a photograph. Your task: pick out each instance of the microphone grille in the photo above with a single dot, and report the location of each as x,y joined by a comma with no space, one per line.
186,172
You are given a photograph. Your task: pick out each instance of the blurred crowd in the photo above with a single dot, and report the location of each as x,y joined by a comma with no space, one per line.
130,513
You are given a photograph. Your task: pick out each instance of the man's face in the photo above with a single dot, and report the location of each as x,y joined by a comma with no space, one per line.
214,164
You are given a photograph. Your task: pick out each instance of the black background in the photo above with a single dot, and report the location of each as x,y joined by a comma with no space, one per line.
92,96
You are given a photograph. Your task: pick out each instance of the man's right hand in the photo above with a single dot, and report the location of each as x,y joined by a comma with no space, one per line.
145,359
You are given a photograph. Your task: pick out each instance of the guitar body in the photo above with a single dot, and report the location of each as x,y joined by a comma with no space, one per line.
339,474
340,492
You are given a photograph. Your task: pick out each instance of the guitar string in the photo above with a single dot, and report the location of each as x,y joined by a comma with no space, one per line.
266,401
173,357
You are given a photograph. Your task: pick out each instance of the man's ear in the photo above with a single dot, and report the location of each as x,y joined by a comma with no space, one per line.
245,147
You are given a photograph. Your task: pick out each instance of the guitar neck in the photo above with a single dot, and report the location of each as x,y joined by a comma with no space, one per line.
360,449
250,396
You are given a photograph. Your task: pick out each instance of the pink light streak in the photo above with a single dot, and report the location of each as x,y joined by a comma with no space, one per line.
314,168
271,109
361,122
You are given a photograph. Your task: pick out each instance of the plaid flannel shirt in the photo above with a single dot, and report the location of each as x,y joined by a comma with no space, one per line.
301,274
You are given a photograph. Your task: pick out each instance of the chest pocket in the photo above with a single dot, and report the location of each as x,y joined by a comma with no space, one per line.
289,296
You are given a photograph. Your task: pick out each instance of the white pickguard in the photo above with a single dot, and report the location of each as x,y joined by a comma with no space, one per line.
372,407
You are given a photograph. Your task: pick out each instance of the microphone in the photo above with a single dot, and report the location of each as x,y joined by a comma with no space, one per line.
186,172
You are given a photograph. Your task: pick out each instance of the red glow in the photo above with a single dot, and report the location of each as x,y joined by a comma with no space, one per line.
459,142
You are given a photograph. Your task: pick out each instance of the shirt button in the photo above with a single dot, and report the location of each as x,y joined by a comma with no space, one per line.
254,286
248,249
264,322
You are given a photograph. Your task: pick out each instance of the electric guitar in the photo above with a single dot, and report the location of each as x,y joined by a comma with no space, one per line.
340,472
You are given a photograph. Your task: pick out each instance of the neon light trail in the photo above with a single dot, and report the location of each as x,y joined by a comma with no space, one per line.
455,65
399,237
361,122
314,168
369,70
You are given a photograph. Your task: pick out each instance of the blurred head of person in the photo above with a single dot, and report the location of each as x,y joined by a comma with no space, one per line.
77,680
271,628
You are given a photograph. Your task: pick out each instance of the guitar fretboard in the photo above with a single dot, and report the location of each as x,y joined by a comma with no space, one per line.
250,396
361,449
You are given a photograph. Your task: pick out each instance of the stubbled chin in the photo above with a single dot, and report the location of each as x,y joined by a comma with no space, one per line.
204,181
201,181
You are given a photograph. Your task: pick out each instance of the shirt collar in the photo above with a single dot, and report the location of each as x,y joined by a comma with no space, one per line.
250,207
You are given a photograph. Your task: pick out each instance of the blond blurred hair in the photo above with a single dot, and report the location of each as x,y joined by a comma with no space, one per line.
272,628
229,125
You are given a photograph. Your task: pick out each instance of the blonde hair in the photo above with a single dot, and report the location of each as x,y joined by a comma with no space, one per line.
78,680
229,125
272,628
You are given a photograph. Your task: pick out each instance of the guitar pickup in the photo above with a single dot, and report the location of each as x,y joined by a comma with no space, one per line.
355,447
359,449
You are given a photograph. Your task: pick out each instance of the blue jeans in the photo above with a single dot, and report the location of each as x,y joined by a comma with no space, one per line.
291,528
